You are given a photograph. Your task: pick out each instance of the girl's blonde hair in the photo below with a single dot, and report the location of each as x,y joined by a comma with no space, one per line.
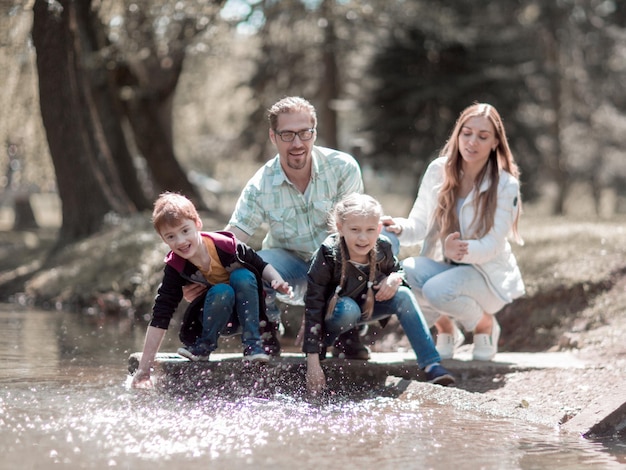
365,206
171,209
445,216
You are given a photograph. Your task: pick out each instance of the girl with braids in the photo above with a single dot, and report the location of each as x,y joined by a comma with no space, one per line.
354,279
467,206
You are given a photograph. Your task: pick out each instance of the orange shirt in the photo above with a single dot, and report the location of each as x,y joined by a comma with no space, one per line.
216,273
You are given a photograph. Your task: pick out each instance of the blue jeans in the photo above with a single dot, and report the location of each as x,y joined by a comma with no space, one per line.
292,268
242,296
459,291
393,238
347,315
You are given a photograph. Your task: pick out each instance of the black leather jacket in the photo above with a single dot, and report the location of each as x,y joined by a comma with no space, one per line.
324,276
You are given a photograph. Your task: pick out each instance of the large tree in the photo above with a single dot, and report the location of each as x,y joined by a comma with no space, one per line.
90,87
86,180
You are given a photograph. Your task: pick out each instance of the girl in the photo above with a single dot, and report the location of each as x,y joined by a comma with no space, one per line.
468,203
355,279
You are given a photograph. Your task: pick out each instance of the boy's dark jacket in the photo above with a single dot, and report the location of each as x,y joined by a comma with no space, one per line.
324,276
179,272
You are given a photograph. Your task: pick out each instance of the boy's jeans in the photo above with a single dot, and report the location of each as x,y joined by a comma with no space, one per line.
242,296
347,315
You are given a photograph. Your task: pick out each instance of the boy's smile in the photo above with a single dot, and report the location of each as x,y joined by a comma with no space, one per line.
184,239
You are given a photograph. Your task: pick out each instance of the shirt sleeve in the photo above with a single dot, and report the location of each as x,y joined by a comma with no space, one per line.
494,242
169,295
415,226
319,285
248,214
351,180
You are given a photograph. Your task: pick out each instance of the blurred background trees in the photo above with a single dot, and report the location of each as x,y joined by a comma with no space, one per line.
137,97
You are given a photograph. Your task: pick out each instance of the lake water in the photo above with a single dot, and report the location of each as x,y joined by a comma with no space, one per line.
65,403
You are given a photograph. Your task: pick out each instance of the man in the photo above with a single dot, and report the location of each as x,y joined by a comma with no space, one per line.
293,194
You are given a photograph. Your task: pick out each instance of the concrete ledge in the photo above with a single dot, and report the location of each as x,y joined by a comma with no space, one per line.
605,416
389,374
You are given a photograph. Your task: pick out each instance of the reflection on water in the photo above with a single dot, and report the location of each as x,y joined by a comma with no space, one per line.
64,400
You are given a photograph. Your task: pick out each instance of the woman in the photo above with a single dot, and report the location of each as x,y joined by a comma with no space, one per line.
467,206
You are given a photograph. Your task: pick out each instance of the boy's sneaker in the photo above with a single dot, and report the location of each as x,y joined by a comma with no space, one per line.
195,353
447,344
255,354
269,335
486,346
439,375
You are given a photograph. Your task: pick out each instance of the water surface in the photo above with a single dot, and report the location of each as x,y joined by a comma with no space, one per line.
65,402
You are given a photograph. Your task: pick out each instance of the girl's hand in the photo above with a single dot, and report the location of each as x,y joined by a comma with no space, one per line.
454,248
388,287
141,380
282,287
315,378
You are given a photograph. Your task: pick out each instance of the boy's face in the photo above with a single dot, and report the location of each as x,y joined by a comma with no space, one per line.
183,239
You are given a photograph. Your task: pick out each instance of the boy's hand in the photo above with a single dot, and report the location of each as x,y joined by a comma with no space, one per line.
282,287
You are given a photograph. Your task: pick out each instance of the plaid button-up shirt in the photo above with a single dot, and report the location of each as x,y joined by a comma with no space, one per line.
296,222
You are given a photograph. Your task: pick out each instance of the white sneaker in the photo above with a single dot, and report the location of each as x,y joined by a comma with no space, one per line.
448,343
486,346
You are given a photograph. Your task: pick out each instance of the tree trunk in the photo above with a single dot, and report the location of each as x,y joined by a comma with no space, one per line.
68,111
151,119
329,91
110,110
557,165
150,83
24,215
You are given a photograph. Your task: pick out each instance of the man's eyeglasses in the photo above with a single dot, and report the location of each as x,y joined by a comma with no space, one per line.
289,136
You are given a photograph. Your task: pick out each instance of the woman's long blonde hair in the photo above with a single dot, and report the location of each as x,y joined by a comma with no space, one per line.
445,216
366,206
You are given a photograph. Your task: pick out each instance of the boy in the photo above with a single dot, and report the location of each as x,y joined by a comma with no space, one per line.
232,272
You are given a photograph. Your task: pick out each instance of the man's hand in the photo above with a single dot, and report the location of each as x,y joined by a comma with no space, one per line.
193,290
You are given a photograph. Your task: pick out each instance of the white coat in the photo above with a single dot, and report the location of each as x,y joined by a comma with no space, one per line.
491,254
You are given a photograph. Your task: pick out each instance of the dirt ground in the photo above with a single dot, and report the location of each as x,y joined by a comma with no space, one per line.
575,274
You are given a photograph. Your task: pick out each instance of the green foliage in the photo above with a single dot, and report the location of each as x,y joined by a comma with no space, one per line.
434,63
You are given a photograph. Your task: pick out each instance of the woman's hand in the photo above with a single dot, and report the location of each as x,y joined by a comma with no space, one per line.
391,225
454,248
